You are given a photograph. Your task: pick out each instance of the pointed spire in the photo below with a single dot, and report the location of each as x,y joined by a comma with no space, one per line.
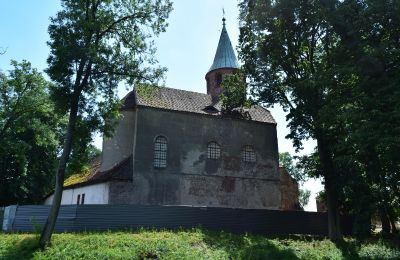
225,56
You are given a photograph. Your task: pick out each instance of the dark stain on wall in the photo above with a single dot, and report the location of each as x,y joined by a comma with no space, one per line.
228,184
232,163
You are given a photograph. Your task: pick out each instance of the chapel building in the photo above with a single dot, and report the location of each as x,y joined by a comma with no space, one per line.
176,147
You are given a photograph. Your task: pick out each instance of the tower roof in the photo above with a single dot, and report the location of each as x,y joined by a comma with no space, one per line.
225,56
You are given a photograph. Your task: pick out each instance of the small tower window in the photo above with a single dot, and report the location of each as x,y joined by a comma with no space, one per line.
248,154
160,152
213,150
219,79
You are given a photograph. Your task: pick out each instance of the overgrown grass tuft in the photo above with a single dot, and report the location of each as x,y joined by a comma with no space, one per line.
191,244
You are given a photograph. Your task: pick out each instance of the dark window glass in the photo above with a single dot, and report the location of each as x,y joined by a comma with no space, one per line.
160,152
213,150
248,154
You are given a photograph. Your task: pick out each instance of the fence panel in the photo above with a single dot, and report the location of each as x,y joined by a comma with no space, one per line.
33,217
117,217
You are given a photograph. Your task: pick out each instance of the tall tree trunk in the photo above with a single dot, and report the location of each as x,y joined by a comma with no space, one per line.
335,233
392,219
52,218
332,200
384,220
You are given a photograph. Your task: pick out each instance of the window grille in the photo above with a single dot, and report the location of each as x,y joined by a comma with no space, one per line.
160,152
248,154
213,150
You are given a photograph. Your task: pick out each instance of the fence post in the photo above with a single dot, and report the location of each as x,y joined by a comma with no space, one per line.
9,216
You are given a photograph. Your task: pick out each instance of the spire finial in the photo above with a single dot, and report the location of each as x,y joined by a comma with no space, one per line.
223,17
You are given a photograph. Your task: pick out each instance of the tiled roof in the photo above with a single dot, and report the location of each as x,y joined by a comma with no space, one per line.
192,102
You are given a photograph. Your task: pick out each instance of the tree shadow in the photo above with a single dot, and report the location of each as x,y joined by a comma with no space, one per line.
246,247
23,249
351,248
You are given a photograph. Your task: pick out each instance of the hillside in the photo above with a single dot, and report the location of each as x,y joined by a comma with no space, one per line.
192,244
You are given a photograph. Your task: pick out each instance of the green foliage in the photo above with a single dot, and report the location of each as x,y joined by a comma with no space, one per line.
94,47
192,244
97,45
298,173
370,112
334,66
81,158
286,160
234,94
30,131
304,197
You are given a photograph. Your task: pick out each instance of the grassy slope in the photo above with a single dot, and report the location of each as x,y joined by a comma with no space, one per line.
193,244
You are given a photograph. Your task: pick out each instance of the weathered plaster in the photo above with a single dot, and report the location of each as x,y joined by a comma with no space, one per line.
120,145
192,179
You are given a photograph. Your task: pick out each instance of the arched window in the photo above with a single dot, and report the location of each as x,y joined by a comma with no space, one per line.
160,152
248,154
213,150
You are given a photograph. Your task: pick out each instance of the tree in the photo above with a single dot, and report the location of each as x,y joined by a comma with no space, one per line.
95,45
304,197
234,94
30,131
369,35
81,158
295,170
334,65
287,47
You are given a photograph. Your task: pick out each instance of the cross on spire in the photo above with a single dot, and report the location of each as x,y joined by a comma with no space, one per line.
223,16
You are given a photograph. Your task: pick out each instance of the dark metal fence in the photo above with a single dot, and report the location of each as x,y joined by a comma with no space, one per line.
117,217
1,215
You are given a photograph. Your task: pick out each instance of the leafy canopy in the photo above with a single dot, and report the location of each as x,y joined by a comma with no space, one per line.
30,131
96,45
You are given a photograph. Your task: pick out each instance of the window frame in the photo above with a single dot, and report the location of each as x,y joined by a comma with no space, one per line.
213,150
159,153
248,154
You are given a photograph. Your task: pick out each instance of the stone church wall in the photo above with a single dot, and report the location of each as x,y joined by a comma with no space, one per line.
192,179
120,146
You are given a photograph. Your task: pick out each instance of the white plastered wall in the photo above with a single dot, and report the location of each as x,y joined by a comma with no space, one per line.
94,194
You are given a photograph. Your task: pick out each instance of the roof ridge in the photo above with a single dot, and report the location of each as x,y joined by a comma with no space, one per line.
184,90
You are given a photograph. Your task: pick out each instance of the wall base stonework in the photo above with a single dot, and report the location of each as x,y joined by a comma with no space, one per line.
197,190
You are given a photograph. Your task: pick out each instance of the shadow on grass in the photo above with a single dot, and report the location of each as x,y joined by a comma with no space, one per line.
23,249
244,247
351,248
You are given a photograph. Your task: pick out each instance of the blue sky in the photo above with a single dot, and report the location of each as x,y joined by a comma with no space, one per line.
187,49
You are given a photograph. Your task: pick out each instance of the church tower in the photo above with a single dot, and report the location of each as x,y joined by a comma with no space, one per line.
224,62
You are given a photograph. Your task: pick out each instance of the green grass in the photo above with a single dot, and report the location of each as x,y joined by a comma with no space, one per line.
191,244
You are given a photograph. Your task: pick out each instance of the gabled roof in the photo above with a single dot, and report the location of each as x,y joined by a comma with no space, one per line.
119,172
191,102
225,56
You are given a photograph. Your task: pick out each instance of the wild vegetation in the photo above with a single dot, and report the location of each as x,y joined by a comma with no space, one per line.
30,131
191,244
334,66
